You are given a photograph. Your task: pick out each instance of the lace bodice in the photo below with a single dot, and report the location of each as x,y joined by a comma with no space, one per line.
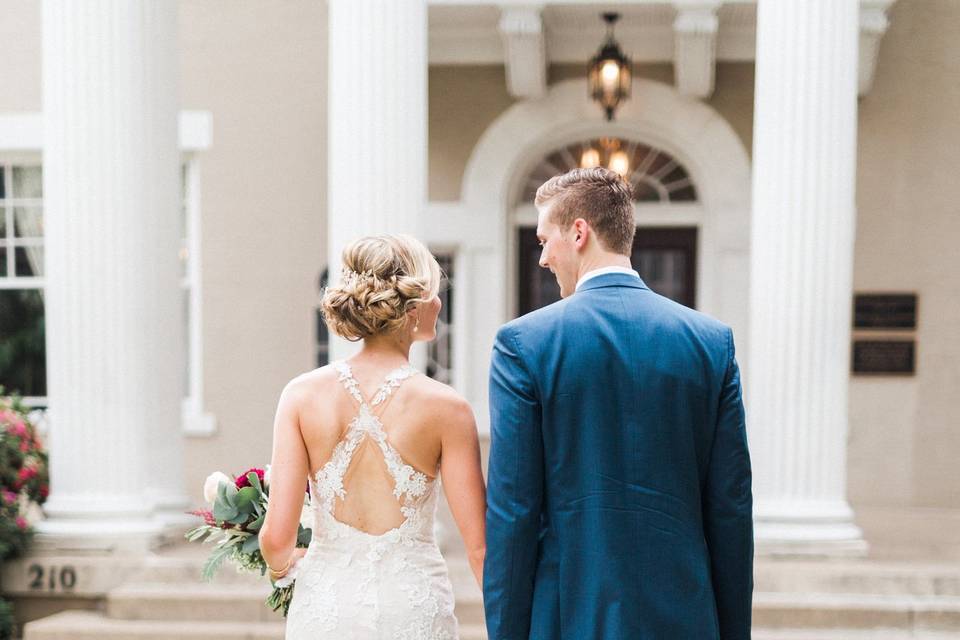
355,584
411,488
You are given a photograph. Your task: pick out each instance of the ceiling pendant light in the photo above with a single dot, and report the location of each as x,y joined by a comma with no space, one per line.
608,76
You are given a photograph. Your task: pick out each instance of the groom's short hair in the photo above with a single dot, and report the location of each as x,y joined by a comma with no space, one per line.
599,196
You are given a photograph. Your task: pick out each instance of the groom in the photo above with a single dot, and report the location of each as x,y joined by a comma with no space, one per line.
619,498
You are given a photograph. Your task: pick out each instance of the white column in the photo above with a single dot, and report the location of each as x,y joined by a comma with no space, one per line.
113,308
377,114
801,274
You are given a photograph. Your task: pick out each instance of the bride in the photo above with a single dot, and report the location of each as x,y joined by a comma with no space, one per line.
373,437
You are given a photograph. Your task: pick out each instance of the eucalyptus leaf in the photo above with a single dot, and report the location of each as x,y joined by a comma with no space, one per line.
245,497
304,536
251,544
255,481
223,511
256,524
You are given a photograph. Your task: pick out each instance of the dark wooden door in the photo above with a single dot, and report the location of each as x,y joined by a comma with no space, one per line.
665,257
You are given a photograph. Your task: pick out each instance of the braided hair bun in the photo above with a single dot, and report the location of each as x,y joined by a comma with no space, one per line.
383,277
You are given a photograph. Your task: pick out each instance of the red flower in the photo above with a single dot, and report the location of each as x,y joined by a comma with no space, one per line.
44,491
242,480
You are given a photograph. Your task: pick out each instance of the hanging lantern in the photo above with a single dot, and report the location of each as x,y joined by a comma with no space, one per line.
609,73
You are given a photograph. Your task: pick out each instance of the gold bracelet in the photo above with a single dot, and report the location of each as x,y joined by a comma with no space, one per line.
272,570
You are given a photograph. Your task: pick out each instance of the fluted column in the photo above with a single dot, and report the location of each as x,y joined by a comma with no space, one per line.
377,124
113,309
801,274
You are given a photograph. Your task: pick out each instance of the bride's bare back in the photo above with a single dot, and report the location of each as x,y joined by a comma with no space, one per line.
371,420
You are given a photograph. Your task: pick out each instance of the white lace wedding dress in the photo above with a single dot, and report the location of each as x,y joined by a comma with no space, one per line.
356,582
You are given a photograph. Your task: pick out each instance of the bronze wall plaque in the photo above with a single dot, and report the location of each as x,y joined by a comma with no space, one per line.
885,311
884,356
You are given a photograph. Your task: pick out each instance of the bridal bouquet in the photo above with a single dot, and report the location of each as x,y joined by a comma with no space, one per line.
239,507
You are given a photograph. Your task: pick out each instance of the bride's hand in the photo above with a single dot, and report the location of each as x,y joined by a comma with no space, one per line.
298,553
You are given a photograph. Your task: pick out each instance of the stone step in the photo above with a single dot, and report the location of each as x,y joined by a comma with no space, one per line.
780,575
849,634
93,625
856,611
771,610
857,576
187,601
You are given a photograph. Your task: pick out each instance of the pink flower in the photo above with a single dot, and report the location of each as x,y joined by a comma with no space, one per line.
21,522
9,497
242,480
207,516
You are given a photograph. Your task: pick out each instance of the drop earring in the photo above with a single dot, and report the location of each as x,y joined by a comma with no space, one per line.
416,327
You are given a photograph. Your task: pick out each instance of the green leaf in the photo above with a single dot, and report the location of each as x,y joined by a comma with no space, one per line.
304,536
245,498
251,544
255,481
214,562
256,524
223,511
230,494
240,518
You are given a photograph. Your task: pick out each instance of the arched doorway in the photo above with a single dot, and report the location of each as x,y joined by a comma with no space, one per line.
665,256
484,225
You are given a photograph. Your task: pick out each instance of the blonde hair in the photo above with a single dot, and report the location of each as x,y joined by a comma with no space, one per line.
383,277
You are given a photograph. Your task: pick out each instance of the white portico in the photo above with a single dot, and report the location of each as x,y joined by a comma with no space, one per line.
303,124
377,173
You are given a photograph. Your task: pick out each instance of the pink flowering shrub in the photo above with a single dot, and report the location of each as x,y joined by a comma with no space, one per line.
24,476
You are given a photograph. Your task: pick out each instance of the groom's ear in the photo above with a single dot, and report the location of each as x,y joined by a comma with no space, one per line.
581,229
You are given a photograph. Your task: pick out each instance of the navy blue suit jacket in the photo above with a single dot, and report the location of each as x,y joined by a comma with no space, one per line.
619,485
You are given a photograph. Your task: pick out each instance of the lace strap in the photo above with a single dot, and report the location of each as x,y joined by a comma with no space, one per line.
384,391
351,384
392,381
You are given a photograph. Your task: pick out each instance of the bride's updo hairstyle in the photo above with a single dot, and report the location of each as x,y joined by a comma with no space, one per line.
382,278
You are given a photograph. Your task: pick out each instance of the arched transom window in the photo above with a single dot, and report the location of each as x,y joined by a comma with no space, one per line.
655,175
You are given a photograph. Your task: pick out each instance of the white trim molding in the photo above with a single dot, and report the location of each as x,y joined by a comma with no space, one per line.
873,25
24,131
694,35
521,29
695,46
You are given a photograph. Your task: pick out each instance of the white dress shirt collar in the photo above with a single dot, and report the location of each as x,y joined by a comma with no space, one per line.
604,270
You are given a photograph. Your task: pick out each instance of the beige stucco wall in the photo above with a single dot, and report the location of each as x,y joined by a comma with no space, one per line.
260,67
905,432
20,45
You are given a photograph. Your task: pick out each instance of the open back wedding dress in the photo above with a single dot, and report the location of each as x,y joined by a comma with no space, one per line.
373,568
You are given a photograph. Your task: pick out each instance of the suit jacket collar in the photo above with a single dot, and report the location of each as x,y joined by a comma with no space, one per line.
613,280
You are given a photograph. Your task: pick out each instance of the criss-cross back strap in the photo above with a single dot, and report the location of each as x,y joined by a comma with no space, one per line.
384,391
